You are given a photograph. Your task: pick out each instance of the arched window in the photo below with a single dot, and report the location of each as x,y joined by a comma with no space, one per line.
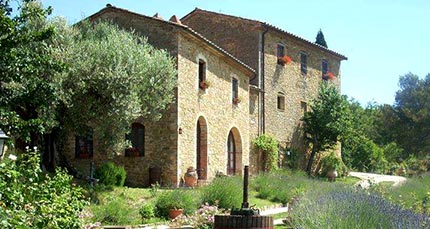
84,145
137,139
231,157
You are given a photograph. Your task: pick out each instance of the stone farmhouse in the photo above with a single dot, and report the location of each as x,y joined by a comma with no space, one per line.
237,78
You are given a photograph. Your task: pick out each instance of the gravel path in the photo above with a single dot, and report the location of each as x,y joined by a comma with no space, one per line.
368,178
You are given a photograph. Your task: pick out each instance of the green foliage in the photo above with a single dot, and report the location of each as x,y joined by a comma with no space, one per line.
292,158
330,162
29,92
269,146
226,192
146,211
57,75
203,218
413,113
328,121
414,194
109,174
114,212
31,199
154,189
281,186
188,200
343,207
114,77
320,39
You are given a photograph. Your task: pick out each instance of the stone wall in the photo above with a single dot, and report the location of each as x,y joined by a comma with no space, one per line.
158,32
160,151
213,105
239,37
299,89
253,126
160,136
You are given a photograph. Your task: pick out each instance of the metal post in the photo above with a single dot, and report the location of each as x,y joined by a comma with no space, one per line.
92,173
245,203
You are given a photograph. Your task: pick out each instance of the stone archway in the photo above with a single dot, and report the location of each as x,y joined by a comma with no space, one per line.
202,149
234,152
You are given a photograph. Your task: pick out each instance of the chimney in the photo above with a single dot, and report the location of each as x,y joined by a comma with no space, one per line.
175,19
157,16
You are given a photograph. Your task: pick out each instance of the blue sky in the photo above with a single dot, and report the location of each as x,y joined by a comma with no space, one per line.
382,39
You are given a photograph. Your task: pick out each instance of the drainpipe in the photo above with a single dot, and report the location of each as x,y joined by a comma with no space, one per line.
262,124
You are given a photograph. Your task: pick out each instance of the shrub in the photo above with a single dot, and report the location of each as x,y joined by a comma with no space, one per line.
330,162
146,211
204,217
188,200
226,191
292,158
114,212
32,199
281,186
347,208
109,174
269,147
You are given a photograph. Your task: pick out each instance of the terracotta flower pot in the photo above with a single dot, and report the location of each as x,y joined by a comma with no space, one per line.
332,174
190,181
173,213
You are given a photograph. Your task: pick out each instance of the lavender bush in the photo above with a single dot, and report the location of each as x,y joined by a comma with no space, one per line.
348,208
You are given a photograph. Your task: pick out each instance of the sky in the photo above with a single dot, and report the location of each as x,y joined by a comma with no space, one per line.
383,39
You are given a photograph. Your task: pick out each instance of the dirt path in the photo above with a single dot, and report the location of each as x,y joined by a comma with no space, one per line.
368,178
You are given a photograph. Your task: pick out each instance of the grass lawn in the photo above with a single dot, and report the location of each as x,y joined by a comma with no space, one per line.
120,205
414,194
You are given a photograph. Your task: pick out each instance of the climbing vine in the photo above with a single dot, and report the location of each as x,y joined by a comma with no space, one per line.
268,146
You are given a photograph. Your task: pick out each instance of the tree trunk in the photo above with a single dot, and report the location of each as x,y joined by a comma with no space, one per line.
312,157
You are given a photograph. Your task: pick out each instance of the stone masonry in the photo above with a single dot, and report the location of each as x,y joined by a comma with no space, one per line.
256,44
171,143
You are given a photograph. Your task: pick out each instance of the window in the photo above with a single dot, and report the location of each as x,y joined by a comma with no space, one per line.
235,91
304,106
137,139
202,74
304,63
281,102
281,50
84,145
324,69
280,53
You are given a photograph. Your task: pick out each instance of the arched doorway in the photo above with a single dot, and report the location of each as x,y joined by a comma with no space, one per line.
202,149
234,152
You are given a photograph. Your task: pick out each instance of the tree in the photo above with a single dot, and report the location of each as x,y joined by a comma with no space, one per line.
413,110
28,91
327,121
114,77
54,75
320,39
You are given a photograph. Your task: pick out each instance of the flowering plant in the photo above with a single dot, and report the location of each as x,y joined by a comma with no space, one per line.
204,84
329,75
236,100
204,217
282,60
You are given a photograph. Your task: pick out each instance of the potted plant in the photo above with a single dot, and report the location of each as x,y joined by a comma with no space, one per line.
175,212
190,177
329,76
236,100
204,84
173,203
282,60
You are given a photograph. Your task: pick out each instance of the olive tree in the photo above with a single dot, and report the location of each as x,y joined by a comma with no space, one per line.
327,121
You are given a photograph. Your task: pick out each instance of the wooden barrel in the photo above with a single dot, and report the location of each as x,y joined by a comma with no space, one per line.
240,221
